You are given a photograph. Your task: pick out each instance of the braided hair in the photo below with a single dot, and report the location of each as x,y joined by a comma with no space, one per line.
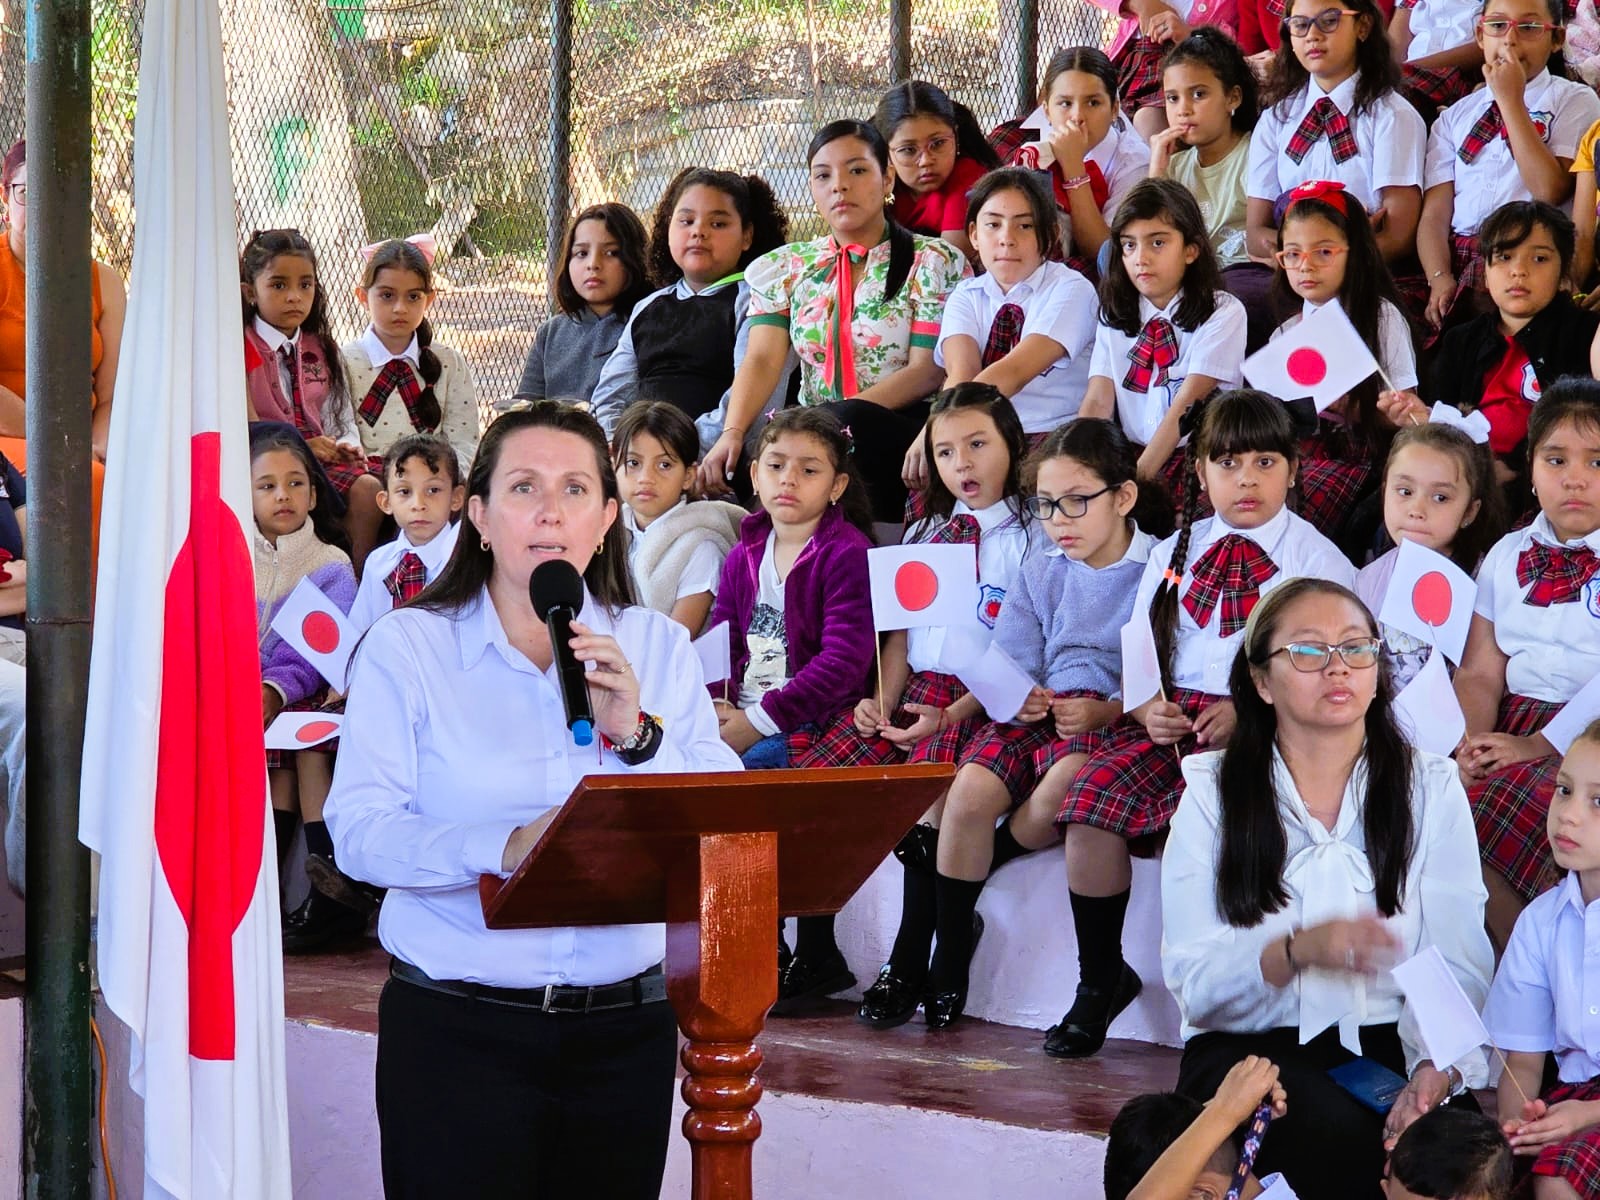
397,255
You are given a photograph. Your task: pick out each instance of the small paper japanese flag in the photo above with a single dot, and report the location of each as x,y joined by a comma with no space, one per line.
999,684
1427,710
716,654
302,730
1431,598
920,584
1574,717
1322,357
1141,670
1450,1026
315,626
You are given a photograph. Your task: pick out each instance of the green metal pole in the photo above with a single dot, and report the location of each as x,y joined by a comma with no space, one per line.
59,1111
899,40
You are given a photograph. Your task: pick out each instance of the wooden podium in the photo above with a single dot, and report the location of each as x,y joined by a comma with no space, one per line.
718,857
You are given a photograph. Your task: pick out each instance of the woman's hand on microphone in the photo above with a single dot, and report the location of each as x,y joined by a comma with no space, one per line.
613,687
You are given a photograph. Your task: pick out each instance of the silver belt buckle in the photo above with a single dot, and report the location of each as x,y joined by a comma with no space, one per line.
549,994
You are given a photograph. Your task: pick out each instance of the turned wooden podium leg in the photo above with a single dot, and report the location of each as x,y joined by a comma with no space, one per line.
722,977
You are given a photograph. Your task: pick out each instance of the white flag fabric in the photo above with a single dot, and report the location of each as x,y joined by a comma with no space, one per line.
1141,667
174,776
995,679
923,584
1322,356
318,629
715,649
1450,1026
1431,598
1574,717
1428,711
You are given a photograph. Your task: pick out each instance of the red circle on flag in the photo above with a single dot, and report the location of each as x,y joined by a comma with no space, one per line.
916,585
321,632
314,731
1306,366
1430,598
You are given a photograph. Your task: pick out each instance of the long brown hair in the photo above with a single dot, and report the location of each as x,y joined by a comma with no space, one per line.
471,564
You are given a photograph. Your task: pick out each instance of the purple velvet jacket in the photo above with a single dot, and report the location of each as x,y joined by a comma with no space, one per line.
827,617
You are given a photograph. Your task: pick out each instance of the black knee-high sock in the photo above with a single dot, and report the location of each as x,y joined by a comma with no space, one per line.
318,839
957,900
1097,920
283,831
913,942
1006,847
813,938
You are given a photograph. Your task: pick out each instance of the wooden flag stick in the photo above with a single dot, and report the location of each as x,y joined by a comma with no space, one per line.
1506,1068
877,652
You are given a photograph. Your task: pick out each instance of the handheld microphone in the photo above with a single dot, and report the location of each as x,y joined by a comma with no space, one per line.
556,590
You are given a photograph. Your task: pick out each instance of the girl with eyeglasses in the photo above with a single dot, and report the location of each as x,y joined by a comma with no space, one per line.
1513,139
938,152
1333,111
1199,587
1312,854
1327,252
1061,624
1534,643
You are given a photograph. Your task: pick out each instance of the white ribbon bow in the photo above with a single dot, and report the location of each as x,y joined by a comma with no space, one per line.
1474,424
424,242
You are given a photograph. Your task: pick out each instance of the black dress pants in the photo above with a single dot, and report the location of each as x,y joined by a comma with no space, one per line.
483,1099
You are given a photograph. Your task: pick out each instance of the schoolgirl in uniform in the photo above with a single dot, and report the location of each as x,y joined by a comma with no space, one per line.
1333,112
1168,335
1513,139
1535,641
1199,587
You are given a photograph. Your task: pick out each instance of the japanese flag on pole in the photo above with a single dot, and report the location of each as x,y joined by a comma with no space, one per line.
174,775
1431,598
1322,357
921,584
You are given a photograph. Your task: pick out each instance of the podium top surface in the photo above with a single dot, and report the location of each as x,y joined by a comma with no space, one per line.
606,856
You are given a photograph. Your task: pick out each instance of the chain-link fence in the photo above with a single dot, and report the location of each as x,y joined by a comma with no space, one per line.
354,120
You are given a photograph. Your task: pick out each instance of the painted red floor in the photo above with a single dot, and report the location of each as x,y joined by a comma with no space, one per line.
994,1072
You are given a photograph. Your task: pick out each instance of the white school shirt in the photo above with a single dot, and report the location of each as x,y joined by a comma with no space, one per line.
333,422
1213,969
373,598
1216,349
1551,652
452,740
1202,658
1439,25
1002,541
1562,111
1390,141
1545,996
1394,349
1056,301
1122,155
767,642
701,574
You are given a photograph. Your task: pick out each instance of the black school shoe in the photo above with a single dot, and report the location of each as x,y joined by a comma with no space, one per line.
1082,1031
940,1010
805,981
889,1002
320,922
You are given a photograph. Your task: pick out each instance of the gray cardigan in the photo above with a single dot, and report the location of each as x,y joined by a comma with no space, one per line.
567,354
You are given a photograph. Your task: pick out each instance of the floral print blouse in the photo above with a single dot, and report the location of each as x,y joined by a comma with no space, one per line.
793,287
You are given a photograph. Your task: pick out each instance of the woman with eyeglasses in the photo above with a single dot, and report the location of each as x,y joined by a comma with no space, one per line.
108,305
1310,856
1333,111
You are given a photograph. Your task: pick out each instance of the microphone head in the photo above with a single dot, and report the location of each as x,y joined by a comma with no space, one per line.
555,584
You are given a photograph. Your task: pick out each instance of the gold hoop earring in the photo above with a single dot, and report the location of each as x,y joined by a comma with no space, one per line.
601,547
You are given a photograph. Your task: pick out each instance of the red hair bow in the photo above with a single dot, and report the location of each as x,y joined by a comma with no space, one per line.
1329,191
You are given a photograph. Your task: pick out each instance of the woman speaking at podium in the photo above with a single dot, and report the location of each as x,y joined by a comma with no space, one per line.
514,1063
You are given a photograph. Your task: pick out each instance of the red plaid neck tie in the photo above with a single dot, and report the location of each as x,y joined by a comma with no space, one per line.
1557,573
1229,575
1004,334
1324,118
1487,127
960,530
1155,350
296,405
407,579
395,376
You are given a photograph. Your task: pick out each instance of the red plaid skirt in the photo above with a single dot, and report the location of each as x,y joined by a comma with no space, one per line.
1334,473
1138,66
1576,1160
343,475
1131,787
1510,807
1439,88
1007,752
1466,263
840,744
1092,742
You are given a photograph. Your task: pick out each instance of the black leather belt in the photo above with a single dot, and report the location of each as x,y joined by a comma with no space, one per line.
647,988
